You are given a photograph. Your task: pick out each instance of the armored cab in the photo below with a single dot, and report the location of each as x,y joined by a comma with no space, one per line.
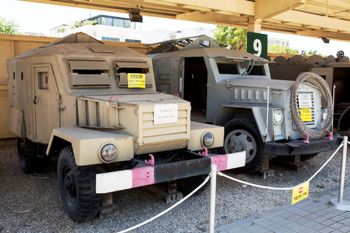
266,118
96,108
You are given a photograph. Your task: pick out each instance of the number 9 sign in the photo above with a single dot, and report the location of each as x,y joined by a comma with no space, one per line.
257,47
257,44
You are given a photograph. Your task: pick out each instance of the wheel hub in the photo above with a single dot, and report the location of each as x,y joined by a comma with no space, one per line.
69,186
241,140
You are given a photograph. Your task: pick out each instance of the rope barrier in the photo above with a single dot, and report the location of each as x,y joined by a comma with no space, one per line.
283,188
169,209
233,179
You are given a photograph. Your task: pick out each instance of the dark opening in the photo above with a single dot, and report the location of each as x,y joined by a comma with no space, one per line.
227,68
21,75
195,86
341,97
14,75
133,70
257,70
92,72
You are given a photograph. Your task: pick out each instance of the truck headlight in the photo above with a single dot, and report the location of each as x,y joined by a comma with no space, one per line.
277,117
108,153
207,139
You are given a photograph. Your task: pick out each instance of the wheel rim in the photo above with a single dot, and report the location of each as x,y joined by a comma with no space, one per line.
69,187
239,140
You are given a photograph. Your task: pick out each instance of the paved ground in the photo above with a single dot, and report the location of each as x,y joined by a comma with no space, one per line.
311,215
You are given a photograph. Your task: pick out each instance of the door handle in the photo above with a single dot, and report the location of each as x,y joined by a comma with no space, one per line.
35,100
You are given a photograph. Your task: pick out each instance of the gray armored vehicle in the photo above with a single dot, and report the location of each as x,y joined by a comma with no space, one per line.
234,89
95,110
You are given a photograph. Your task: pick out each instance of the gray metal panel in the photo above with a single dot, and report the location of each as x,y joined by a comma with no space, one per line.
168,74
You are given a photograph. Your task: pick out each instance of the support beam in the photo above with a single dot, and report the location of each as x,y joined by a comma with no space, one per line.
212,17
314,20
236,6
268,8
321,33
254,25
113,7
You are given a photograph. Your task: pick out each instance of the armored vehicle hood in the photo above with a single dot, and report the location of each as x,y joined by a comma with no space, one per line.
138,99
263,83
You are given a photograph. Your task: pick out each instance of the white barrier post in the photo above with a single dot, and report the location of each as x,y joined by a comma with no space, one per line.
212,197
342,204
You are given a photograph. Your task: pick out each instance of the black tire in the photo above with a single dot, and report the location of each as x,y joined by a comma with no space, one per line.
186,186
245,124
76,186
307,157
28,160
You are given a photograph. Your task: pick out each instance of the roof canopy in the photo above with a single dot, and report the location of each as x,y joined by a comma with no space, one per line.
317,18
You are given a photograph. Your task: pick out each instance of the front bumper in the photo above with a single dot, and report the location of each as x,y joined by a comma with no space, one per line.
298,147
144,174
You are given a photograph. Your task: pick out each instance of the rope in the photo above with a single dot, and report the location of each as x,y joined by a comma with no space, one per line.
283,188
169,209
319,83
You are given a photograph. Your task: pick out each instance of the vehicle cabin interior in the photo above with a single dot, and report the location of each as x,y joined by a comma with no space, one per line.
195,86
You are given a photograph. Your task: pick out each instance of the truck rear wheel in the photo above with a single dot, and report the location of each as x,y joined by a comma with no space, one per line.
76,186
242,134
28,160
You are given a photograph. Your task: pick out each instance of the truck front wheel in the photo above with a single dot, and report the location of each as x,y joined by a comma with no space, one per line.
242,134
76,186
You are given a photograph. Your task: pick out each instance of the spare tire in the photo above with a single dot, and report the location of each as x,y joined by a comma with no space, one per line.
319,83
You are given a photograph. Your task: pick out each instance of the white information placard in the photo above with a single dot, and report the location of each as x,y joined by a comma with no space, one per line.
305,100
165,113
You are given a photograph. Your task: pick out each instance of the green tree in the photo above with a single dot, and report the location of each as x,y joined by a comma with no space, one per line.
234,37
8,26
283,50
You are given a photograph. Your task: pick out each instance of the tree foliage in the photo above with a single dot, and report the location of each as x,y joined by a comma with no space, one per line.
233,37
278,49
8,26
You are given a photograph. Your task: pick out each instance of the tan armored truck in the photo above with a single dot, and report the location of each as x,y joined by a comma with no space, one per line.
266,118
95,108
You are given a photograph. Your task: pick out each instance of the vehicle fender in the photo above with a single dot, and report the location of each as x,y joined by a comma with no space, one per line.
87,144
228,112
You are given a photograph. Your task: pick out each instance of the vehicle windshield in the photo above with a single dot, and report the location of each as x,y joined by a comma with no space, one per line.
232,66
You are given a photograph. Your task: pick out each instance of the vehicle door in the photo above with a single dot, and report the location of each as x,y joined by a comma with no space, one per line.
45,101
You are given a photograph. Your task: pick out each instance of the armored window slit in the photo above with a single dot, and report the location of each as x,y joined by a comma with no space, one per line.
123,68
43,80
89,74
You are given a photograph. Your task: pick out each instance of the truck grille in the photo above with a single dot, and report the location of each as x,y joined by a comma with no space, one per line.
152,133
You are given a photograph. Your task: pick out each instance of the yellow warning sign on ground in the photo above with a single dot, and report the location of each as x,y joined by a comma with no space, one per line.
306,114
300,192
136,80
